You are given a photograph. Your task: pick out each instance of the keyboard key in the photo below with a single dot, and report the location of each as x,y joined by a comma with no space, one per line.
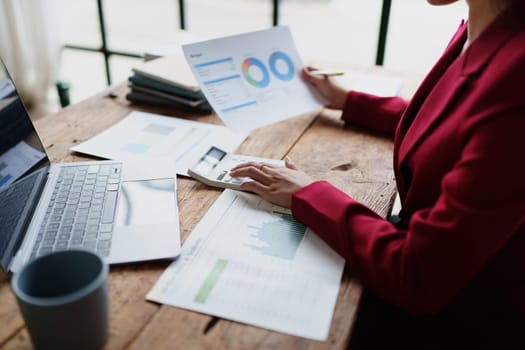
106,227
50,234
103,253
112,187
44,250
64,237
61,245
90,245
76,242
104,236
91,236
48,242
93,169
110,204
103,244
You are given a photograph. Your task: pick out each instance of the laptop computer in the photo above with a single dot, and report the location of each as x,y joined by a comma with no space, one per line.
124,211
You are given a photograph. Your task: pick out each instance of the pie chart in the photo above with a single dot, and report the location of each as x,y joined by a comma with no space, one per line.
281,66
255,72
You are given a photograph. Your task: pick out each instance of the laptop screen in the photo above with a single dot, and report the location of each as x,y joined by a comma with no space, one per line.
21,158
21,151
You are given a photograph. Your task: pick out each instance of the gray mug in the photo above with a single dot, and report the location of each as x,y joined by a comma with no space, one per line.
63,297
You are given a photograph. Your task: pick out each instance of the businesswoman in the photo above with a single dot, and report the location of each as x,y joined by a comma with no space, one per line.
453,267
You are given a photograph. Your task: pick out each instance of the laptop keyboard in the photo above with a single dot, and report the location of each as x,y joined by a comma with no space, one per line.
81,211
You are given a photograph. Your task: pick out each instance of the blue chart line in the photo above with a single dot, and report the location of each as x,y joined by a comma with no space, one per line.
211,63
279,238
236,76
232,108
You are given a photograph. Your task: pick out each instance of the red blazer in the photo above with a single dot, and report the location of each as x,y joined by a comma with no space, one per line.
459,161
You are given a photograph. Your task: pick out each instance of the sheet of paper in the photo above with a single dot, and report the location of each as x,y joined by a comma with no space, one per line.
250,261
16,161
142,134
252,79
375,84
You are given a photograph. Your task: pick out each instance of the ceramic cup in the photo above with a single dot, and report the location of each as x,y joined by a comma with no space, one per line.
63,297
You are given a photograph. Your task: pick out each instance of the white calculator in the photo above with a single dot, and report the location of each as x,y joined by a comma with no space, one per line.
214,167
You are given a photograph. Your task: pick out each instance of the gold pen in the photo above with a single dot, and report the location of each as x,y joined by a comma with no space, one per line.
327,73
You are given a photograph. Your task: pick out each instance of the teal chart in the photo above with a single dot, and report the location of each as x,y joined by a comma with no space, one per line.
280,237
252,79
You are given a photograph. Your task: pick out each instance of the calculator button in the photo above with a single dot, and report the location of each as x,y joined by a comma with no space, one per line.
221,175
237,181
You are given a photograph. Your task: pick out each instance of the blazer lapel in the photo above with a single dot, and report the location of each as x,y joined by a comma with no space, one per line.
433,110
441,88
422,93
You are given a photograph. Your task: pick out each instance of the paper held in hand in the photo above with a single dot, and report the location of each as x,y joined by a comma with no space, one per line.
252,79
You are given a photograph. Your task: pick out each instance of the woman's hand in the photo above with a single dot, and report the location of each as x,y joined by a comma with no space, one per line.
327,87
273,183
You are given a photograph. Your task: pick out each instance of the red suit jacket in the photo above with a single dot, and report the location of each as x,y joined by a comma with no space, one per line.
459,161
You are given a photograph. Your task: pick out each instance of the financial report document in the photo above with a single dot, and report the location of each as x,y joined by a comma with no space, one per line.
252,79
250,261
142,134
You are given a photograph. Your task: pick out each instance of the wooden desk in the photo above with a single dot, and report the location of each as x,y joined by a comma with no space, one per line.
356,161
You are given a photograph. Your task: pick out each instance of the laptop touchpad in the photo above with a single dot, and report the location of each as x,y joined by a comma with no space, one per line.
147,202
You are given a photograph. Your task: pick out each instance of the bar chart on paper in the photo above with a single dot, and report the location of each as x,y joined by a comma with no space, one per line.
250,261
278,238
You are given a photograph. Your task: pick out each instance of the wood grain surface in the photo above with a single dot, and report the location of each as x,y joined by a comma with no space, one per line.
357,161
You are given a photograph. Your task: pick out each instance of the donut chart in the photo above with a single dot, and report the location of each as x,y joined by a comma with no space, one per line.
249,64
277,59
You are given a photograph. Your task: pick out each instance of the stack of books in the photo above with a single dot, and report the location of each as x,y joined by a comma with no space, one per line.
166,81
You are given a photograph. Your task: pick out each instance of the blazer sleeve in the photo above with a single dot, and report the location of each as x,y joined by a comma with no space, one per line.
422,268
373,112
